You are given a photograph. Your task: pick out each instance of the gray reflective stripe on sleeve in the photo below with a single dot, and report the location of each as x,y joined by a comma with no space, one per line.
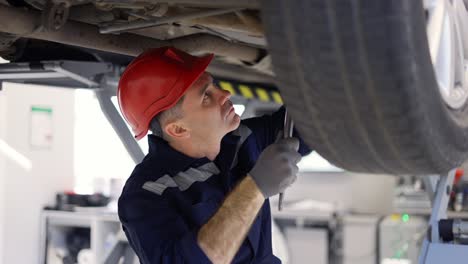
160,184
244,132
183,180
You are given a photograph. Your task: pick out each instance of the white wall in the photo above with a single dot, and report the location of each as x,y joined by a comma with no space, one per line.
2,170
26,192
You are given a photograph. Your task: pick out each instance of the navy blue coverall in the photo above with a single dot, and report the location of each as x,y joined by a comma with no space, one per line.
169,196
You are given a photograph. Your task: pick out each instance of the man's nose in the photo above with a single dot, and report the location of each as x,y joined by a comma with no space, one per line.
224,96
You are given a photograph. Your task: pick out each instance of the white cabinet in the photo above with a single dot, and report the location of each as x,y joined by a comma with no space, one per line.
105,232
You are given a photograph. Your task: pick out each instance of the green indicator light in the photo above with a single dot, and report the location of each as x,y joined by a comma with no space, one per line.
405,218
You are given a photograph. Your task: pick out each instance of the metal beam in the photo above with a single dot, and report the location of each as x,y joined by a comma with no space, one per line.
26,23
440,202
166,20
114,118
250,4
82,74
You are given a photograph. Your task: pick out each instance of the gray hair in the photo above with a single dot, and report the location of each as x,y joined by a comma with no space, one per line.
155,127
164,117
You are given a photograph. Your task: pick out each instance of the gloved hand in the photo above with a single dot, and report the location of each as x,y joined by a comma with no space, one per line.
276,167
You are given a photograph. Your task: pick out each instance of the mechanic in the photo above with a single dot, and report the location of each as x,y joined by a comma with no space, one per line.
201,193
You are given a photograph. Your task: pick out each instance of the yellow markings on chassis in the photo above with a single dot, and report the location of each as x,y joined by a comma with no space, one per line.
248,92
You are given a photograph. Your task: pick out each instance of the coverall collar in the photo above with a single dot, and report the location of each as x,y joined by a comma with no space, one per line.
175,161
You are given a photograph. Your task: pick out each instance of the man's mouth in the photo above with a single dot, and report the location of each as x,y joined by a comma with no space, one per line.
229,109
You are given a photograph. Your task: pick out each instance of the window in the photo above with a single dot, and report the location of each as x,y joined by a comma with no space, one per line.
98,152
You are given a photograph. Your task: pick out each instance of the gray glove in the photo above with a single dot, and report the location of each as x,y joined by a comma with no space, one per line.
276,167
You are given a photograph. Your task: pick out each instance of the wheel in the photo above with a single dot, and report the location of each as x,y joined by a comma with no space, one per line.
368,88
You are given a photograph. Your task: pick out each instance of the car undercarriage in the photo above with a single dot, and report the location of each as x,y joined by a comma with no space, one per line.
373,86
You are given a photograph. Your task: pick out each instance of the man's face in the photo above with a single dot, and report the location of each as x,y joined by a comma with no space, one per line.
207,110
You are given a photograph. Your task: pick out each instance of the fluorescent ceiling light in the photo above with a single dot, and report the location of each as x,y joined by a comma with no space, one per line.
15,156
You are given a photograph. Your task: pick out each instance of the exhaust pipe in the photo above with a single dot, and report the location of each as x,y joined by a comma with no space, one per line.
28,24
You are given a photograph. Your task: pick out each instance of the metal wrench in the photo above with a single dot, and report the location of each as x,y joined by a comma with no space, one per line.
287,133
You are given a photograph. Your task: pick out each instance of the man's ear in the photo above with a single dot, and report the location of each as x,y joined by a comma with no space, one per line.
176,130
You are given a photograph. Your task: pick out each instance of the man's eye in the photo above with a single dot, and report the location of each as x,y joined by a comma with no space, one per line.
206,96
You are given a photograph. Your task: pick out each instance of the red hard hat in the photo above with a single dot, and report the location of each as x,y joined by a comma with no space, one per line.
154,82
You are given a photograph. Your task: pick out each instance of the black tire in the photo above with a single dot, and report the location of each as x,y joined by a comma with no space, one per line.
358,80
